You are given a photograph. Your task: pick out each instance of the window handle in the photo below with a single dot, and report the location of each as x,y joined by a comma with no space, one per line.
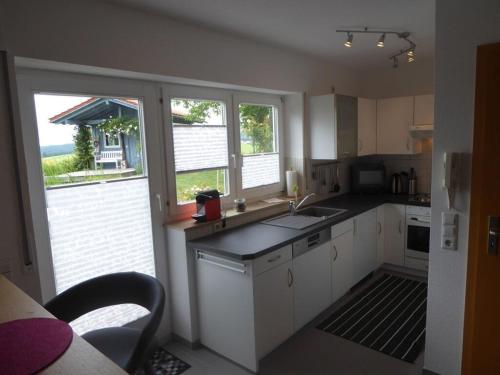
160,206
234,160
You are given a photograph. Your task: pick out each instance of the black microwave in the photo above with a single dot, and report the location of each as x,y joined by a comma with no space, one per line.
368,178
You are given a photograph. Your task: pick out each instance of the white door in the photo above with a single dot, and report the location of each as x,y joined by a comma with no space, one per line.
394,234
95,180
342,247
365,245
311,284
273,295
367,126
394,118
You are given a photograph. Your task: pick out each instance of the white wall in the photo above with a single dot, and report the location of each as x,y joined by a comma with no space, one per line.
106,35
408,79
461,26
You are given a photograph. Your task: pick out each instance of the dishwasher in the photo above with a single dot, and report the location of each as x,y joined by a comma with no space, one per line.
312,269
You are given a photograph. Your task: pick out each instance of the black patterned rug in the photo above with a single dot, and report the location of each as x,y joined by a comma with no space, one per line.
165,363
389,317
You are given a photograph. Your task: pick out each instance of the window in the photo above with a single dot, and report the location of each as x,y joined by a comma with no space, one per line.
259,145
222,140
199,130
112,140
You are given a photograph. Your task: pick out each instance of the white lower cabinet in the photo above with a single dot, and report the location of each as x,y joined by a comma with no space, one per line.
365,245
311,284
394,233
273,294
342,248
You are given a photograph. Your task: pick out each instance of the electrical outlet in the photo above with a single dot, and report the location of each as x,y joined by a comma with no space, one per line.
218,226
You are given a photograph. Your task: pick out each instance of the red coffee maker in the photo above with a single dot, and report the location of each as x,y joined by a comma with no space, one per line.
207,206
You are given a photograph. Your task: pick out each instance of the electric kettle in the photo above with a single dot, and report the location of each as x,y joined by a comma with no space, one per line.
396,184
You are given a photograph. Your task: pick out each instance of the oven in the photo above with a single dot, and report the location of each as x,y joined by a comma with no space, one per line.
418,226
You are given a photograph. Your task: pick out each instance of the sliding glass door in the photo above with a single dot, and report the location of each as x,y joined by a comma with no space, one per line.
96,182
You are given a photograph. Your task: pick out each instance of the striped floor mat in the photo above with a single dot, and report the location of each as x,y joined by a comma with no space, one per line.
389,317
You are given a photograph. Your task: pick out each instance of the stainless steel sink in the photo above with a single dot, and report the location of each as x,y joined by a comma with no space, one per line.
317,211
304,218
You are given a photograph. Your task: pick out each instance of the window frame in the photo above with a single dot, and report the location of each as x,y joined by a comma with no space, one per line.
266,100
200,93
117,146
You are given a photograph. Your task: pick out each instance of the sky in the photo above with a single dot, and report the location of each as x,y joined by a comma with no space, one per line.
50,105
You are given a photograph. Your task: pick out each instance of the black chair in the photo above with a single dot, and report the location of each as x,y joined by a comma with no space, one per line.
126,346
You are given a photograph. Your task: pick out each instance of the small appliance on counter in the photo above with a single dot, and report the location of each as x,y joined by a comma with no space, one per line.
368,178
396,184
207,206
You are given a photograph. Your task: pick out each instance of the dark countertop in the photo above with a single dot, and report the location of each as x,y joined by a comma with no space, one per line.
256,239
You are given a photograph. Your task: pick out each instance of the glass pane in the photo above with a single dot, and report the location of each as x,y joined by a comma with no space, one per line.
200,143
257,129
188,184
95,229
259,170
85,139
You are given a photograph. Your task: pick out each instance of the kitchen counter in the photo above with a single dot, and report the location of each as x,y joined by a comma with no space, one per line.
254,240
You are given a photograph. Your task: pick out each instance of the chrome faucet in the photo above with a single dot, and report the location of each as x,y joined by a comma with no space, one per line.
293,206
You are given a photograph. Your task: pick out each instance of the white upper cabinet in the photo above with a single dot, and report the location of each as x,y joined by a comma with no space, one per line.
333,124
323,128
394,119
424,111
367,126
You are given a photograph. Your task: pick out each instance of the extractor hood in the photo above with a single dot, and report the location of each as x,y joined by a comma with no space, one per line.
421,131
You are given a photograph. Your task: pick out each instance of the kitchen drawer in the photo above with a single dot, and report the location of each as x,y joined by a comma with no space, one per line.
342,228
271,260
419,264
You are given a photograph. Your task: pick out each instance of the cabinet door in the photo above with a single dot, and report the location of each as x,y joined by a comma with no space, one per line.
424,110
311,284
273,294
365,245
347,126
394,118
322,123
367,126
380,235
394,234
342,264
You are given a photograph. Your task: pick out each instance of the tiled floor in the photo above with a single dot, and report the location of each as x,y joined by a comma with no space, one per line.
309,352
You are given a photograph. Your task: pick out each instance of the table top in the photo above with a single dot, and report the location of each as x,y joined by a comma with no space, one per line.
80,358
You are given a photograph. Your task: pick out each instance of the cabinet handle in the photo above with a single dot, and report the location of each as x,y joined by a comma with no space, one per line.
274,259
379,227
400,224
290,278
336,253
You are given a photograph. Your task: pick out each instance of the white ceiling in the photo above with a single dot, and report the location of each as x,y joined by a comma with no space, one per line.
309,25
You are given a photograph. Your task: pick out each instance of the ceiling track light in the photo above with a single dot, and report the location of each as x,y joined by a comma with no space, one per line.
409,51
348,42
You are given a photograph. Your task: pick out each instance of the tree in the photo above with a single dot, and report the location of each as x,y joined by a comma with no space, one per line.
120,126
256,123
84,150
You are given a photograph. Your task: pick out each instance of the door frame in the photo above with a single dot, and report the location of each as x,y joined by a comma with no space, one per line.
31,81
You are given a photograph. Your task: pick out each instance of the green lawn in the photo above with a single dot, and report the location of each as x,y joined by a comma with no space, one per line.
188,184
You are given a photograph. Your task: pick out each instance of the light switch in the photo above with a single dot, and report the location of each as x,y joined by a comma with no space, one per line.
449,230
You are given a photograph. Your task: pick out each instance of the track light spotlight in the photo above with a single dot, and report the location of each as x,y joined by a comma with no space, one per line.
411,59
381,40
411,53
348,42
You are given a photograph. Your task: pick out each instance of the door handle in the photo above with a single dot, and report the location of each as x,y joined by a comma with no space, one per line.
290,278
493,234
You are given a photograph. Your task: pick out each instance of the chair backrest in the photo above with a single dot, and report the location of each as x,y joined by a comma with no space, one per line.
109,290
